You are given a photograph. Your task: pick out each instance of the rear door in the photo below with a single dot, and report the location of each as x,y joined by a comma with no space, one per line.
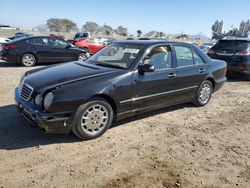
40,46
191,70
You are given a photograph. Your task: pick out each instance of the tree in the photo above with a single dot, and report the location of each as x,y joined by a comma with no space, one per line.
107,29
122,31
90,27
139,32
54,24
69,25
58,24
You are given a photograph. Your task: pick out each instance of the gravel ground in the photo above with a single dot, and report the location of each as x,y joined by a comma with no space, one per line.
180,146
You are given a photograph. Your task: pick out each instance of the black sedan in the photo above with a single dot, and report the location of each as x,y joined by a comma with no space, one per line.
32,50
123,79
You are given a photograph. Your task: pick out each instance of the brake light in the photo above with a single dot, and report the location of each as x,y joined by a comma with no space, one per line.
9,46
211,52
243,53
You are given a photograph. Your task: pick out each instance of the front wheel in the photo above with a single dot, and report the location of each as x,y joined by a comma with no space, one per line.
93,119
204,93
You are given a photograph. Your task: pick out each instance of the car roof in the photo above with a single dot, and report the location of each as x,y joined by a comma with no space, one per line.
30,37
152,42
235,38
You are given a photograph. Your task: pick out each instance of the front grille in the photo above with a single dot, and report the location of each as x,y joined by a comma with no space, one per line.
26,92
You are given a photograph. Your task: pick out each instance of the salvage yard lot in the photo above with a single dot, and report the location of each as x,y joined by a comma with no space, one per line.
181,146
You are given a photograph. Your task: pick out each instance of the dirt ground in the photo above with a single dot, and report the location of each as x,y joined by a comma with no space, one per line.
180,146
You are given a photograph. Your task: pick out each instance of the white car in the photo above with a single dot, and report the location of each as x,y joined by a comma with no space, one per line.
3,41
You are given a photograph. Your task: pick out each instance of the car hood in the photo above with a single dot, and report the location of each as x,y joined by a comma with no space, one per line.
66,73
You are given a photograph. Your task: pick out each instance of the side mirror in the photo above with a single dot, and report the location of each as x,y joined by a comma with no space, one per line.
146,68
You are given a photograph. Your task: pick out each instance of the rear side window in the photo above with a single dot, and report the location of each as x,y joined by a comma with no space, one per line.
231,45
38,41
184,56
197,59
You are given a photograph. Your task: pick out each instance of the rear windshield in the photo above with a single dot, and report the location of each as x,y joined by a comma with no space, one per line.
232,45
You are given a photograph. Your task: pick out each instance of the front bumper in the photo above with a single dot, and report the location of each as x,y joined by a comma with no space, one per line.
50,122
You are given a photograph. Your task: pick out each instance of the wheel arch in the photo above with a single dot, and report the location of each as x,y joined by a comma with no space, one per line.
110,100
212,81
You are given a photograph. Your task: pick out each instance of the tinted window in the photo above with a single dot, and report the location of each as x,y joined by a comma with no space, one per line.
184,56
197,59
231,45
58,43
38,41
160,57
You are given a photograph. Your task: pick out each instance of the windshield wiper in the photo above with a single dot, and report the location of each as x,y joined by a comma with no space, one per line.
110,65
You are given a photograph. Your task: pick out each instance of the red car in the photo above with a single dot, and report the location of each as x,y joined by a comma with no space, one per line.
91,45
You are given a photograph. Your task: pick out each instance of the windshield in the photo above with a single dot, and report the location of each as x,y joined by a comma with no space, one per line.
120,55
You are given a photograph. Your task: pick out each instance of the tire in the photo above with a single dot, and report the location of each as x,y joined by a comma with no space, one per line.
92,119
28,60
82,57
204,93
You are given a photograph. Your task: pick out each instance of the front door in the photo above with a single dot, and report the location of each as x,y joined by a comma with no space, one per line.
60,51
155,89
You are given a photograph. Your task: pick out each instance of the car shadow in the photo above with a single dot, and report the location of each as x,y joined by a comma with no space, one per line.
17,133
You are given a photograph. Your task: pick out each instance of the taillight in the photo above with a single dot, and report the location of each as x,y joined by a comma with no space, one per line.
211,52
9,46
243,53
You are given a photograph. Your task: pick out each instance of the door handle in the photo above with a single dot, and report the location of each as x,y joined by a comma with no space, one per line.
201,70
172,75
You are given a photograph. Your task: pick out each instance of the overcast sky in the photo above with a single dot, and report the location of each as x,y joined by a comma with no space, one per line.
169,16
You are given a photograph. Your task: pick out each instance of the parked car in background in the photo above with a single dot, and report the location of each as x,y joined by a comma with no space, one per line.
58,36
3,41
20,35
206,46
89,44
121,80
236,52
32,50
81,35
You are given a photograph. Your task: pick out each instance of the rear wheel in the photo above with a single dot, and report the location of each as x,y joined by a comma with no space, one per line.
204,93
93,119
28,60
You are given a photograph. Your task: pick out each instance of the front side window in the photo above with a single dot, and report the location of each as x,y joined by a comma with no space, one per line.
184,56
160,57
120,55
58,43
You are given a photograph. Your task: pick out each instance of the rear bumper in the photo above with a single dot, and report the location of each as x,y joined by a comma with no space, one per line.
50,122
219,83
9,58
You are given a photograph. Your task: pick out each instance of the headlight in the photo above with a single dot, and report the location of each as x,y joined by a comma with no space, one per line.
48,99
38,99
